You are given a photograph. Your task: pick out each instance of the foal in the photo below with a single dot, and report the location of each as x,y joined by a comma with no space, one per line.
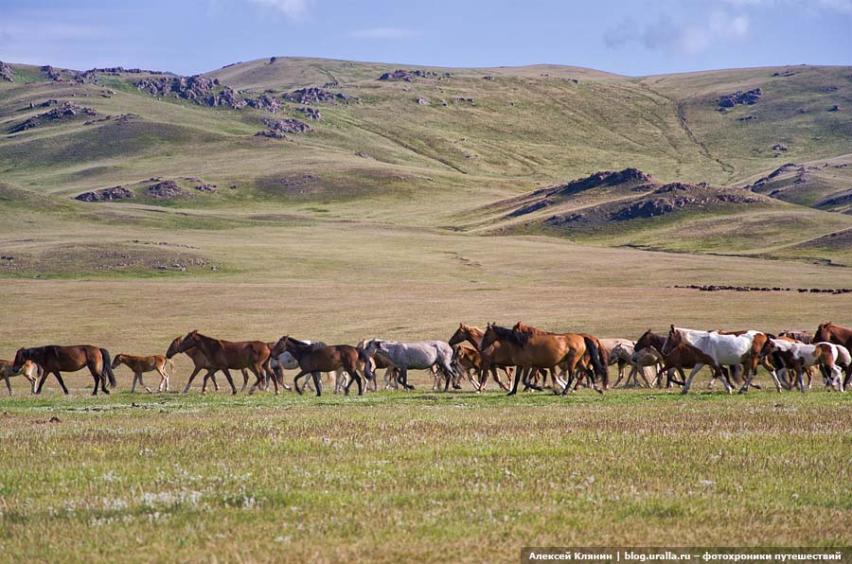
30,370
141,364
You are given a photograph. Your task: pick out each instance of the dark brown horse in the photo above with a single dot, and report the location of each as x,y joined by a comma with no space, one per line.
829,332
54,359
315,358
227,355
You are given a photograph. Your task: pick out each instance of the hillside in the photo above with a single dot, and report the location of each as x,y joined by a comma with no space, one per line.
311,140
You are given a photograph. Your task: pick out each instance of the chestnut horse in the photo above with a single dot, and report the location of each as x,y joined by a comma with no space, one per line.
226,355
200,363
54,359
315,358
141,364
829,332
30,370
586,363
546,352
490,359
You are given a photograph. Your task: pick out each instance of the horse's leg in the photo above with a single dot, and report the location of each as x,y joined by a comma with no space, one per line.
514,389
353,374
230,381
688,382
8,384
164,379
317,383
403,379
245,380
192,377
496,377
133,385
41,381
299,390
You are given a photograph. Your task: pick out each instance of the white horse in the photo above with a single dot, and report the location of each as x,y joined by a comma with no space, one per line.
718,350
419,355
797,357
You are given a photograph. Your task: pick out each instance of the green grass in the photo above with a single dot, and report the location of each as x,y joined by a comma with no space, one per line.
418,476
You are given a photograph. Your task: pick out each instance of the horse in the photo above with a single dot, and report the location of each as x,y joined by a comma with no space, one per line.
54,359
586,362
543,351
200,362
716,350
490,359
798,335
796,357
314,358
30,370
287,361
141,364
619,358
829,332
224,355
418,355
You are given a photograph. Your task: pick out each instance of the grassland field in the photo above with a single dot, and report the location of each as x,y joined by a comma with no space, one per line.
399,244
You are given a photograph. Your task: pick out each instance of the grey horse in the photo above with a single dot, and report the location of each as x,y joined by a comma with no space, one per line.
419,355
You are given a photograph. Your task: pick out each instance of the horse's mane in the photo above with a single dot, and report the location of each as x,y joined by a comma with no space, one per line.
510,335
522,327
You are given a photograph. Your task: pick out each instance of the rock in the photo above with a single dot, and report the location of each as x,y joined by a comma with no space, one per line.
272,134
164,190
463,100
747,118
410,75
423,101
779,147
314,95
749,97
487,77
310,113
264,102
105,195
287,125
6,72
834,108
197,89
52,73
209,188
63,112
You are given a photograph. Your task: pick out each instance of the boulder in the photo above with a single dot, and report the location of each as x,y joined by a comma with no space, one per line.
105,195
749,97
310,113
314,95
164,190
6,72
410,75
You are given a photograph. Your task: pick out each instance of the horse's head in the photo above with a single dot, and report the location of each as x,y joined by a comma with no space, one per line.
489,337
673,339
280,346
21,356
370,348
119,358
173,348
460,335
188,341
823,332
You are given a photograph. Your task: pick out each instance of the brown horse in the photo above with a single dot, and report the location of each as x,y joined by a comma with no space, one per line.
200,363
829,332
586,363
546,352
141,364
314,358
30,370
490,359
226,355
54,359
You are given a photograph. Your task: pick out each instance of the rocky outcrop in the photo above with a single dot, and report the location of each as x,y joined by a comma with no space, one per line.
411,75
198,89
65,111
6,72
264,102
314,95
607,178
52,73
310,113
749,98
105,195
287,125
164,190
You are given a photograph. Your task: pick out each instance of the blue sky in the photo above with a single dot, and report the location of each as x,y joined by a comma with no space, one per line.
628,37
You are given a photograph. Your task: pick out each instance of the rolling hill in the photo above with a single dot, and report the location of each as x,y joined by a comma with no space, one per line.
746,161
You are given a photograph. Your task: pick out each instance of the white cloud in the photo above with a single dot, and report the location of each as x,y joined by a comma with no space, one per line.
842,6
384,33
293,9
691,39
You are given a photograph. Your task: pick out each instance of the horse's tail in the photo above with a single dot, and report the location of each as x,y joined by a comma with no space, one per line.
171,366
107,368
596,355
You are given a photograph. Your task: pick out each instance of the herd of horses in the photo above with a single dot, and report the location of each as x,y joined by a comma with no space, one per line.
536,358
